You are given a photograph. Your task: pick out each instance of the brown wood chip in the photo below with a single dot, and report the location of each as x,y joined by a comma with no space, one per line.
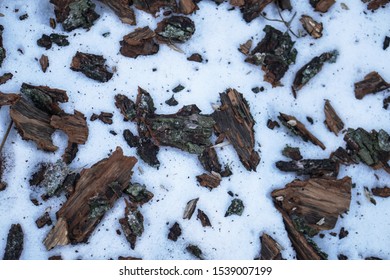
44,62
332,120
139,42
270,249
372,83
75,126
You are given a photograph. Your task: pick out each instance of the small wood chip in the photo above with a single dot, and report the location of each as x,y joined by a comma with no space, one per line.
311,26
5,78
44,62
174,232
195,57
203,219
209,181
270,249
246,47
332,120
190,208
372,83
381,192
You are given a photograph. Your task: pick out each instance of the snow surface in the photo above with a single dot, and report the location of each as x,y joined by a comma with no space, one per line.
356,33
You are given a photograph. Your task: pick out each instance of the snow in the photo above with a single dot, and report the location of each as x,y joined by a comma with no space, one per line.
356,33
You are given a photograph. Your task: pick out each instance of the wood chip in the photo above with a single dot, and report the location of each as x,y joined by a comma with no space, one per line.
381,192
15,242
105,117
343,157
332,120
122,9
311,26
139,42
209,181
270,249
311,167
371,84
75,126
91,65
322,5
174,232
253,8
44,62
43,220
187,7
153,6
3,52
8,99
292,152
203,219
132,224
5,78
190,208
175,29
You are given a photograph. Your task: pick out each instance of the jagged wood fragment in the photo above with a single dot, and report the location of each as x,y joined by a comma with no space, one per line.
236,207
381,192
332,120
190,208
46,41
8,99
234,120
209,181
299,129
246,47
5,78
209,160
311,69
153,6
105,117
122,9
292,152
174,232
14,245
376,4
91,65
253,8
126,106
196,57
204,220
54,177
70,152
2,49
75,126
96,191
43,220
311,167
132,224
322,5
270,249
372,83
138,194
175,29
311,26
343,157
187,7
139,42
274,53
44,62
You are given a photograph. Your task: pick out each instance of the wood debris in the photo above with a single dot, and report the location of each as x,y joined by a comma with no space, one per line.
311,26
139,42
381,192
270,249
187,7
204,220
311,167
175,29
372,83
8,99
253,8
174,232
2,49
44,220
70,152
5,78
386,102
332,120
292,152
210,181
95,192
311,69
246,47
46,41
236,207
153,6
3,185
122,9
299,129
15,240
195,57
132,224
75,13
237,3
75,126
376,4
171,101
105,117
274,53
234,120
91,65
190,208
344,157
44,62
272,124
195,251
284,4
386,43
322,5
138,194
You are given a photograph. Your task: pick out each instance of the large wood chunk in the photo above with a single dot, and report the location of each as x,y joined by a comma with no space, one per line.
122,9
96,192
139,42
372,83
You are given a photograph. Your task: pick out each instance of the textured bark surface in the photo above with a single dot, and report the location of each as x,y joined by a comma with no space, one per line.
382,192
139,42
332,120
252,8
75,126
372,83
175,29
8,99
209,181
322,5
311,26
153,6
292,152
122,9
174,232
15,242
91,65
311,167
270,249
96,191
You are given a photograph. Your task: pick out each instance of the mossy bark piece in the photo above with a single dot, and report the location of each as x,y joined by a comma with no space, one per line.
316,203
312,27
274,53
187,7
132,224
376,4
15,242
236,207
8,99
311,69
270,249
292,152
105,180
203,218
190,208
153,6
332,121
381,192
33,124
299,129
91,65
139,42
122,9
138,194
175,29
174,232
373,148
54,177
371,84
210,181
322,5
235,121
75,126
5,78
75,13
2,49
310,167
253,8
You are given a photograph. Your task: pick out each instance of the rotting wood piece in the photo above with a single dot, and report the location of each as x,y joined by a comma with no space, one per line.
175,29
139,42
15,240
204,220
187,7
344,157
299,129
122,9
96,191
311,167
210,181
322,5
311,26
91,65
153,6
196,57
332,120
270,249
174,232
376,4
372,83
253,8
2,50
44,62
5,78
274,53
75,126
234,120
138,194
382,192
70,152
43,220
311,69
8,99
132,224
316,203
292,152
246,47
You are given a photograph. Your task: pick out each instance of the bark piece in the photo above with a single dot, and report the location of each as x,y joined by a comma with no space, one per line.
75,126
292,152
172,101
272,124
132,224
343,233
209,181
190,208
44,62
284,4
270,249
139,42
372,83
253,8
3,185
322,5
343,157
43,220
203,219
70,152
311,167
311,69
75,13
299,129
386,43
195,251
210,162
187,7
105,117
237,3
46,41
96,191
386,102
174,232
138,194
2,49
122,9
178,88
316,203
91,65
15,240
38,176
332,120
126,106
195,57
236,207
381,192
311,26
274,53
54,177
5,78
153,6
8,99
55,258
376,4
246,47
235,121
175,29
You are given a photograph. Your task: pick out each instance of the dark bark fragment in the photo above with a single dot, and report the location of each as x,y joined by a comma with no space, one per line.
38,176
284,4
174,232
69,183
8,99
270,249
5,78
314,204
2,50
253,8
343,233
44,62
132,224
272,124
126,106
372,83
15,239
53,23
75,13
381,192
343,157
138,194
55,258
195,57
311,26
105,117
203,219
322,5
209,181
75,126
153,6
91,65
139,42
299,129
235,121
187,7
311,167
103,182
376,4
175,29
43,220
172,101
3,185
121,258
386,43
46,41
195,251
236,207
70,152
311,69
190,208
178,88
274,53
332,120
122,9
209,160
386,103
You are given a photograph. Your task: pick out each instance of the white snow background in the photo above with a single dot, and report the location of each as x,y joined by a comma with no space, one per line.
356,33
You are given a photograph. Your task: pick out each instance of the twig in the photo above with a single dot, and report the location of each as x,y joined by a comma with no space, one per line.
288,24
6,135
